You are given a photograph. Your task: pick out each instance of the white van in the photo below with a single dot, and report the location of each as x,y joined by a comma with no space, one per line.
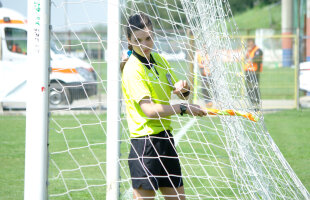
304,77
70,78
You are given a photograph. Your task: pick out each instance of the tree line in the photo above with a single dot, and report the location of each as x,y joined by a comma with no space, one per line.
238,6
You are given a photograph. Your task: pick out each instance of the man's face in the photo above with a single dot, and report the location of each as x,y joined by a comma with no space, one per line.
142,42
250,44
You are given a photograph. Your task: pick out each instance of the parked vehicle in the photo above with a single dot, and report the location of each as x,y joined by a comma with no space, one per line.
304,77
70,78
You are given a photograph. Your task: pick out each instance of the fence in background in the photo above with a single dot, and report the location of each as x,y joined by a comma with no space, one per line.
278,84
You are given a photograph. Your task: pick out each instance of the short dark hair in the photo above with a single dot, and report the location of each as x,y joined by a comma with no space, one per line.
138,22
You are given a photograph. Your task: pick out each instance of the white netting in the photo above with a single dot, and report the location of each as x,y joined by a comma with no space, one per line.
222,157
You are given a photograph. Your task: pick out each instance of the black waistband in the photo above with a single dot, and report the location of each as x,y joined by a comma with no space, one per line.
165,133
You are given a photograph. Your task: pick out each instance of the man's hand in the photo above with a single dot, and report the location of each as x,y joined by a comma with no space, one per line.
195,110
181,87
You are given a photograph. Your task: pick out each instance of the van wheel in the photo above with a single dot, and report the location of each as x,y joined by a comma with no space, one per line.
59,95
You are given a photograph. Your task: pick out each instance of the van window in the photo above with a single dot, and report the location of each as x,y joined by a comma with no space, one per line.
16,40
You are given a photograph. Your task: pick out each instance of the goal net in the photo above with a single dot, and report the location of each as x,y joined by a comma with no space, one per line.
227,154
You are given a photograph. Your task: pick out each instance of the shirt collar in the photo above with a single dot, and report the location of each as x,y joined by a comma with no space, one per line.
144,60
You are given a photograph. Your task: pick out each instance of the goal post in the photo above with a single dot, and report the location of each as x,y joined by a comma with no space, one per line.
36,150
113,100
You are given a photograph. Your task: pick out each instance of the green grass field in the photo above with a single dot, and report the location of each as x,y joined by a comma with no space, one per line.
277,83
289,129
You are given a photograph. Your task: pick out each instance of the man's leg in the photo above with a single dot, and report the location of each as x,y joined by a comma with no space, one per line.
256,90
251,88
173,193
142,194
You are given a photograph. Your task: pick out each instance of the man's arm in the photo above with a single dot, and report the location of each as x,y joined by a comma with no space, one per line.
154,110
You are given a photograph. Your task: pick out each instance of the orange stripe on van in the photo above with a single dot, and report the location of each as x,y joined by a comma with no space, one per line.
66,71
11,22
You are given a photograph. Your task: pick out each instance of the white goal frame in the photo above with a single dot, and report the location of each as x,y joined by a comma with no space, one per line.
113,101
36,156
36,152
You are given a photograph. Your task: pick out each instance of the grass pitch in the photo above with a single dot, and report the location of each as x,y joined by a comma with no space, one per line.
289,129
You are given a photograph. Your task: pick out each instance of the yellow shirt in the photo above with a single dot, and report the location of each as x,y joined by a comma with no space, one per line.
138,82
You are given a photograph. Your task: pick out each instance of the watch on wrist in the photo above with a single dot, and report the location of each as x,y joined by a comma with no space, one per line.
183,109
185,94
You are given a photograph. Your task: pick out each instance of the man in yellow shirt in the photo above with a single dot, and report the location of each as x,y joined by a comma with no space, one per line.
147,84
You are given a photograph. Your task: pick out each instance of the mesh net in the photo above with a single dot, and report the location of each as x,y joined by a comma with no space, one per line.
221,156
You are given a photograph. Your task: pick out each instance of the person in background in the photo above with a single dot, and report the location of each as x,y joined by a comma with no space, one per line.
147,84
202,61
254,63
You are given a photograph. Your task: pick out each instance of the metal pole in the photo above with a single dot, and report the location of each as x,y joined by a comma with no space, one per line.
298,55
287,28
191,58
99,72
297,69
67,26
308,32
36,153
113,100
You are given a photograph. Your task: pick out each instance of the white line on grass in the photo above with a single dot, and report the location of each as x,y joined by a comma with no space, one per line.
180,134
79,179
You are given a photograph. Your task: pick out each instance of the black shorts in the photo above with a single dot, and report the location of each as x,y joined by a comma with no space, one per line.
153,162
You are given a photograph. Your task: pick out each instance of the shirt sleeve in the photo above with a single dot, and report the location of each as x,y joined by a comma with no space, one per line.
136,86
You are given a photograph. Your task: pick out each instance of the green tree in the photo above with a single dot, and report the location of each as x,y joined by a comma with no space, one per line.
265,2
158,10
238,6
174,13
